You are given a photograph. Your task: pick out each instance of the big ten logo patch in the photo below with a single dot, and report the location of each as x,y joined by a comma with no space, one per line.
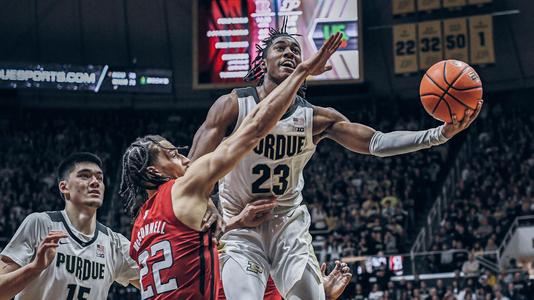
254,267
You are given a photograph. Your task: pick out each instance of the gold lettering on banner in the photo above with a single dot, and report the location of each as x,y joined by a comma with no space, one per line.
423,5
402,7
481,39
405,48
455,39
430,43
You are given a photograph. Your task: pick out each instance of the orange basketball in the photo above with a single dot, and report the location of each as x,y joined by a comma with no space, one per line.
450,87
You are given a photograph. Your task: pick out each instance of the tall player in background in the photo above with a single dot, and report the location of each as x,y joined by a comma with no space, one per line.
68,254
282,246
176,259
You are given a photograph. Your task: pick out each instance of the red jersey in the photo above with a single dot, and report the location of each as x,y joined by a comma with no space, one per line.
271,292
175,261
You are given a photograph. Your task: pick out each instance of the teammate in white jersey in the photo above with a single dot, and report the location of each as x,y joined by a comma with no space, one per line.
68,254
282,246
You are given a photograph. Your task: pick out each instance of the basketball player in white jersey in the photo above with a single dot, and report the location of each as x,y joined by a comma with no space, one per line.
282,246
68,255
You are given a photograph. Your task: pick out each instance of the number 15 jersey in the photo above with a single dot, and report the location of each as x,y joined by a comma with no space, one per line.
274,167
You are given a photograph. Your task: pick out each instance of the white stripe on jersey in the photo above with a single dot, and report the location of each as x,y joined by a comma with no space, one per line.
275,166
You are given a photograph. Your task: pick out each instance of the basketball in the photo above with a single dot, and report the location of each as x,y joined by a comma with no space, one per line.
450,87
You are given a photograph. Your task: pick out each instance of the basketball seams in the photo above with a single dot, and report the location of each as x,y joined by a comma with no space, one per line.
430,94
455,79
449,109
437,104
460,101
435,83
450,85
467,89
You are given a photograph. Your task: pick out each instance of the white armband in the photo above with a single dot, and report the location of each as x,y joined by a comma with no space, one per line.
401,142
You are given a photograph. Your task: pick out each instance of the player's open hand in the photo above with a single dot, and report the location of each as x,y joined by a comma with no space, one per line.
256,212
336,282
211,217
47,250
451,129
316,64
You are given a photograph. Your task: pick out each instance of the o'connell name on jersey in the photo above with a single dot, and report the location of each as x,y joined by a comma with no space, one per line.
84,266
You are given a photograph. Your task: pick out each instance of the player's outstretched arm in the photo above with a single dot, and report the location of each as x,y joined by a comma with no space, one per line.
14,278
205,171
329,123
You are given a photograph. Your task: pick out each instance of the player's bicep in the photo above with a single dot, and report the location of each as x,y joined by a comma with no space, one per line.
221,118
334,125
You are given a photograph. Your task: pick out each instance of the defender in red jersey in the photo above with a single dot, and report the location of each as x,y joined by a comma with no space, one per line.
176,261
180,256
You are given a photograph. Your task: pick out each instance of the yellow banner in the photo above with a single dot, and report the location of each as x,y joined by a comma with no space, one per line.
430,44
401,7
481,39
455,39
405,48
428,5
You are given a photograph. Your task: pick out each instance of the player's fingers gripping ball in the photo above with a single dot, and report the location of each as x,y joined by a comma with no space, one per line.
448,88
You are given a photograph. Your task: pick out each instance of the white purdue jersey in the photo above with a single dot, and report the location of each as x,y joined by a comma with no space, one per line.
274,167
84,267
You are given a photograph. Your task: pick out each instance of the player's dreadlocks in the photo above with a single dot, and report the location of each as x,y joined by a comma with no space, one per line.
256,71
135,177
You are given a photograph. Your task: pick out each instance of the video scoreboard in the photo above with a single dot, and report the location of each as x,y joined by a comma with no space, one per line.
96,79
227,32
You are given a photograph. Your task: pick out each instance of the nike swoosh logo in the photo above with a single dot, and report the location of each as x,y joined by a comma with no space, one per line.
63,243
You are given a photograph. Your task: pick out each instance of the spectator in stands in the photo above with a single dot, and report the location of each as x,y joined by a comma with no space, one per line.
424,290
512,294
359,293
391,243
375,293
318,216
440,288
446,258
471,266
519,283
499,295
465,294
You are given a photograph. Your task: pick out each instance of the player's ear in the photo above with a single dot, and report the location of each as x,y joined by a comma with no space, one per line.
263,65
151,170
63,189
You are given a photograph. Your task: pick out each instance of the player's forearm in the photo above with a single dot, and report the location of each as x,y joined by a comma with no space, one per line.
401,142
13,282
233,223
353,136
